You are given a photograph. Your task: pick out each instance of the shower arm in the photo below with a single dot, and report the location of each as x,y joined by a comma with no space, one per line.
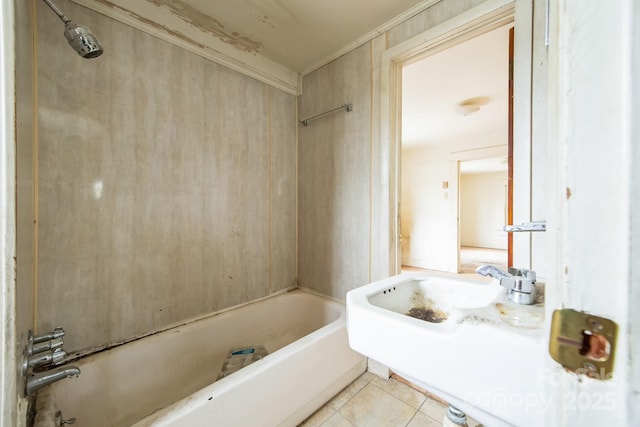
57,11
81,39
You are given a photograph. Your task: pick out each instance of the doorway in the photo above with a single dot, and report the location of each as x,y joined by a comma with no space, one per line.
456,129
483,210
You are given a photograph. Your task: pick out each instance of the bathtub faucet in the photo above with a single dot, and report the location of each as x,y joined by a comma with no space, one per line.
520,282
41,379
41,351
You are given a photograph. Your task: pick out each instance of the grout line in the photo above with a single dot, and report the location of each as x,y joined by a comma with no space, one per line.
394,377
411,419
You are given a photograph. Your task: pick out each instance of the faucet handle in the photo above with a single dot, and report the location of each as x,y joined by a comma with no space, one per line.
54,356
58,332
493,271
47,345
57,355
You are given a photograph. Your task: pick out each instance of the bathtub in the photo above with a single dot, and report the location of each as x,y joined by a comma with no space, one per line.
171,378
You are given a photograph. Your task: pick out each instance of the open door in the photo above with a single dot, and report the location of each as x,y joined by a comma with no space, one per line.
510,156
446,120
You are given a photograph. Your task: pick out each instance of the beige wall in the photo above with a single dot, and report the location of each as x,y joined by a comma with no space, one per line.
483,207
334,156
425,212
428,212
429,18
343,164
166,184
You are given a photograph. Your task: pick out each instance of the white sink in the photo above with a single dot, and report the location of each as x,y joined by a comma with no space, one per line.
465,343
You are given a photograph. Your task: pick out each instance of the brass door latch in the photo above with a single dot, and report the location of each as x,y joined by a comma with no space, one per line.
583,343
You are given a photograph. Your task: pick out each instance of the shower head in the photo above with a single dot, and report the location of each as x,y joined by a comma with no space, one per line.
81,39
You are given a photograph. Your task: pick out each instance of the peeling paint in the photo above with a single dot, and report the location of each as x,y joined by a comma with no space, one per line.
153,24
568,193
208,24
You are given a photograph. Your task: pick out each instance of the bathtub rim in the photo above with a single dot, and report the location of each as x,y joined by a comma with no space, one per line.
248,373
331,325
78,355
226,384
82,354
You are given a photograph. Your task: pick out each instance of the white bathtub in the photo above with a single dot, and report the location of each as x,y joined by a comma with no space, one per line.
169,379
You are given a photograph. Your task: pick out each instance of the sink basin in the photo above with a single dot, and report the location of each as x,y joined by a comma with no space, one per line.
437,300
459,339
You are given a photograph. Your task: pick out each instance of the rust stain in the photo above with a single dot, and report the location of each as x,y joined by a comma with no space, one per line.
501,308
208,24
568,193
153,24
428,314
424,309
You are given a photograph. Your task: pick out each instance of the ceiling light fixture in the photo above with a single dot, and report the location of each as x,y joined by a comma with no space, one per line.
472,105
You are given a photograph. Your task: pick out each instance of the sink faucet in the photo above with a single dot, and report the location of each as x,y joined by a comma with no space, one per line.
520,282
41,379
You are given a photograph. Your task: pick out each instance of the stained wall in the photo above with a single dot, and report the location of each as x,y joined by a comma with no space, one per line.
166,184
343,179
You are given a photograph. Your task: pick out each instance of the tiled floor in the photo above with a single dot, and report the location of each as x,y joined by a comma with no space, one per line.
371,401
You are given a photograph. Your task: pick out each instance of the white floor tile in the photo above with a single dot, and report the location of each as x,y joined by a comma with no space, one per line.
351,390
434,409
337,420
372,407
421,420
319,417
411,397
371,401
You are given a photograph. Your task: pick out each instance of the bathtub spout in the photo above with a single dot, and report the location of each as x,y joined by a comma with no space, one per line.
41,379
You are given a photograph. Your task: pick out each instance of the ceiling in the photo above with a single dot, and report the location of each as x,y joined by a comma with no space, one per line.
434,87
298,34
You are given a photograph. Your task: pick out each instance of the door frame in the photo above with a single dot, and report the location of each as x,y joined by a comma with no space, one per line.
9,399
485,17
